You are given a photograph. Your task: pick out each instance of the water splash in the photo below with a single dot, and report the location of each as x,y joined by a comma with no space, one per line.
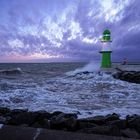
11,71
86,92
93,66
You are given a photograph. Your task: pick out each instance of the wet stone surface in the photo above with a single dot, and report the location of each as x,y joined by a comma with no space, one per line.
110,124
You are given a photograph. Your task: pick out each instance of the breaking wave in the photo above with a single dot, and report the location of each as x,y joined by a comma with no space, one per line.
92,67
84,90
11,71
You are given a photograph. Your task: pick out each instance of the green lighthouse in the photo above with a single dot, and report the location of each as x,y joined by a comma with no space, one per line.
106,50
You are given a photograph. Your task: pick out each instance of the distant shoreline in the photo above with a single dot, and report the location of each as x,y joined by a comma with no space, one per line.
129,63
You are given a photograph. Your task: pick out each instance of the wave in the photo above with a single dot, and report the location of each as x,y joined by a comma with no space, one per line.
11,71
85,90
92,67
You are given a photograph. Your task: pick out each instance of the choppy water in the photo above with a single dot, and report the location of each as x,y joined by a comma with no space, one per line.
67,87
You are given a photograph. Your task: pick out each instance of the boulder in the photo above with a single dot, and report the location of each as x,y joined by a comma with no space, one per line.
116,75
43,123
41,114
2,120
83,124
106,125
56,113
23,118
130,133
4,110
99,120
121,124
134,122
18,111
64,121
5,119
112,117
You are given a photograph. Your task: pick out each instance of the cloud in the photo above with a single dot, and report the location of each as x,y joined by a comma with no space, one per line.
68,29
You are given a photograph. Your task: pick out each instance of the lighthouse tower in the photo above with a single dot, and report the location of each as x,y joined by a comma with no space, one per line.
106,50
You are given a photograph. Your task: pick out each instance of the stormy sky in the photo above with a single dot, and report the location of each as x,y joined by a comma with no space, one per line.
68,30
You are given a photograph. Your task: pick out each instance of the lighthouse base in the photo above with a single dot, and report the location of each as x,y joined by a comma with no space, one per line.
106,59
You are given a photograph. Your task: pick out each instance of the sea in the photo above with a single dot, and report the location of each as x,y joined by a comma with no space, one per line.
79,88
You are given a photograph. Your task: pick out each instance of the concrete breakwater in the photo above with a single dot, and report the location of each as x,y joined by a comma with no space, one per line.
110,124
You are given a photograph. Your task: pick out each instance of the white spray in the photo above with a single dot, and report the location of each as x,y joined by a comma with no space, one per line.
90,67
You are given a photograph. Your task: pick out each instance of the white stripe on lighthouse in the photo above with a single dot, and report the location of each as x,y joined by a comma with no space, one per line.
106,46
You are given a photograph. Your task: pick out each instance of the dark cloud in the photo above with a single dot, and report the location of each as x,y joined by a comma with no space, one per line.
69,29
127,32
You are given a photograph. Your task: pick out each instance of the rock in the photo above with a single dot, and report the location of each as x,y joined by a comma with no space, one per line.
105,125
71,124
23,118
69,115
65,115
18,111
5,119
64,121
56,113
4,110
86,72
82,125
136,78
2,120
89,113
121,124
130,133
134,122
44,123
41,114
99,120
112,117
117,74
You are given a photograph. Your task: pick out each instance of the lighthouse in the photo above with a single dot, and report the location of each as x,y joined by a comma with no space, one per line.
106,49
